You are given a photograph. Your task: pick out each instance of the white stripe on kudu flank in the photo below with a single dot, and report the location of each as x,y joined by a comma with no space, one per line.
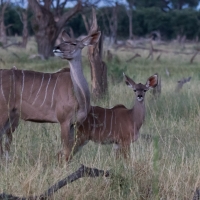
46,90
32,87
54,91
23,77
39,89
13,83
104,123
111,124
94,123
2,86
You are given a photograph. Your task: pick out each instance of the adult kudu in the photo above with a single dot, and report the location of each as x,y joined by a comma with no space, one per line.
117,125
62,97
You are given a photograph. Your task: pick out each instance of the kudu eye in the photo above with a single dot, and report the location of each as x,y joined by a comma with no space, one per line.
145,90
134,90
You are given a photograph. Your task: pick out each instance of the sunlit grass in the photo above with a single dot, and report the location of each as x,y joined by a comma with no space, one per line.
166,167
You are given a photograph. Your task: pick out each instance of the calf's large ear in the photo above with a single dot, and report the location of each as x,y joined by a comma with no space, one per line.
91,39
152,81
129,82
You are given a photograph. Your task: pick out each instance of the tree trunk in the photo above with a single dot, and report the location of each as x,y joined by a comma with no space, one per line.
25,28
114,28
113,23
99,84
3,38
46,28
130,15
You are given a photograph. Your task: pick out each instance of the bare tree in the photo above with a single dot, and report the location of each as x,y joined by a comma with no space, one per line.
48,21
130,17
112,20
3,5
98,67
23,15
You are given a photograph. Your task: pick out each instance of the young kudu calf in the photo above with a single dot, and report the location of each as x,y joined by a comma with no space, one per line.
117,125
62,97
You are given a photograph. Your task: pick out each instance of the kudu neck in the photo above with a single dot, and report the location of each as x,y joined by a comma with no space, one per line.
81,88
138,111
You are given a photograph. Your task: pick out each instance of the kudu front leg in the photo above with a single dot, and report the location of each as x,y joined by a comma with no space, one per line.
122,150
67,139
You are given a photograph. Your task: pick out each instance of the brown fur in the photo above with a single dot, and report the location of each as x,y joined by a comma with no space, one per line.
117,125
24,95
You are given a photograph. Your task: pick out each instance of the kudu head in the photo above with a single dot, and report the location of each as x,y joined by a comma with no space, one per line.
71,48
141,89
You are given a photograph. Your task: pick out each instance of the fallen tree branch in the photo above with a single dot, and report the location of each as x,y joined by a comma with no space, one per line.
36,56
196,194
181,82
193,57
135,56
127,48
83,171
12,44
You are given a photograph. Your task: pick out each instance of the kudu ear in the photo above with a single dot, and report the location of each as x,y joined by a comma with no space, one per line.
91,39
66,37
129,82
152,81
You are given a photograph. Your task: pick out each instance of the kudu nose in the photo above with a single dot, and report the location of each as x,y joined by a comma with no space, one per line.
139,96
56,49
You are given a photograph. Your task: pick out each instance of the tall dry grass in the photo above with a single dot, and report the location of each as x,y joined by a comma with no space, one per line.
166,167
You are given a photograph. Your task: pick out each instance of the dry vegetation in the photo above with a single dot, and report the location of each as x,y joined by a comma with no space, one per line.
168,167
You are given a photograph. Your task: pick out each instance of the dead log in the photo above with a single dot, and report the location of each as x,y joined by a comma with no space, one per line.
128,48
83,171
12,44
181,83
196,194
193,57
135,56
36,56
158,58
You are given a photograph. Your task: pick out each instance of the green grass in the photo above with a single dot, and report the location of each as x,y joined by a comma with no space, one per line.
168,167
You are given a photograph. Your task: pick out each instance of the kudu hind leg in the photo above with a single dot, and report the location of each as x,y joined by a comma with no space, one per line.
4,127
15,122
8,125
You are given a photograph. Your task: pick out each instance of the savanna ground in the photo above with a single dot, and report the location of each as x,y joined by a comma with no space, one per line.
168,167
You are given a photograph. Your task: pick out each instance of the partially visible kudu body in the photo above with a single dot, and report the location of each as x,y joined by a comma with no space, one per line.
35,96
117,125
62,97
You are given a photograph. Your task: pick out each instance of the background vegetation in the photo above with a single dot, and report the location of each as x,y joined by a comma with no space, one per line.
146,17
166,167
